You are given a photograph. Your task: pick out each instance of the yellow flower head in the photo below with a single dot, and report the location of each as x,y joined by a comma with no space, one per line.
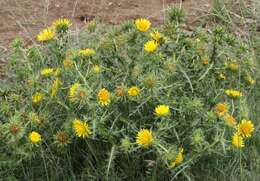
47,72
246,128
250,80
233,93
61,24
162,110
150,46
96,69
221,109
103,97
156,35
205,60
222,76
230,120
142,24
35,137
76,93
67,64
37,98
233,67
87,52
144,137
133,91
54,87
46,35
81,128
178,159
237,141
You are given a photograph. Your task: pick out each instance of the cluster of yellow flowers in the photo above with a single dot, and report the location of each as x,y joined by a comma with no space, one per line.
243,130
49,33
144,137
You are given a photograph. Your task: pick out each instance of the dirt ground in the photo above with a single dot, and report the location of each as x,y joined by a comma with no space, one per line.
25,18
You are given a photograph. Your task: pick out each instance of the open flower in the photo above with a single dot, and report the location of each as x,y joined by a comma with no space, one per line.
87,52
35,137
46,35
150,46
162,110
104,97
221,109
133,91
144,138
246,128
81,128
47,72
142,24
230,120
61,24
178,159
37,98
233,93
238,141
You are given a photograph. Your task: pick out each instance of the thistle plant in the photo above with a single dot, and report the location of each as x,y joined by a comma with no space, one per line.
131,101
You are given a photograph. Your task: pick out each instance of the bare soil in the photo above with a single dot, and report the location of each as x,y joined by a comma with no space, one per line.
25,18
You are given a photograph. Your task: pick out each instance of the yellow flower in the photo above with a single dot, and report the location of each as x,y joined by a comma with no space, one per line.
67,64
81,128
35,137
142,24
178,159
73,92
155,35
230,120
246,128
150,46
144,137
233,93
233,67
162,110
96,69
205,60
133,91
76,93
221,109
250,80
47,72
87,52
222,76
37,98
104,97
46,35
54,87
61,23
238,141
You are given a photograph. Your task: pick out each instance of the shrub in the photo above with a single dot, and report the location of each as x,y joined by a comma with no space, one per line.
126,102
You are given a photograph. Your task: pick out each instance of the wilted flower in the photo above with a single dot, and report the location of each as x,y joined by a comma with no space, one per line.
221,109
54,87
67,63
230,120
